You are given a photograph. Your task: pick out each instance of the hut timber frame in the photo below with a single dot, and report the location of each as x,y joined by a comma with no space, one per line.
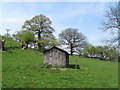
56,56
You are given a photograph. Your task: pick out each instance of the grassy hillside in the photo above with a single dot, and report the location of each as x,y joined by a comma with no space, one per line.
23,69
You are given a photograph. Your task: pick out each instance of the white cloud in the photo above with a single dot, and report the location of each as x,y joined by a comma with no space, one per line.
15,17
13,20
85,10
97,39
67,13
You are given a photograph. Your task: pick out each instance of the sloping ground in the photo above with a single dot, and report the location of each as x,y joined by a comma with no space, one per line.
22,69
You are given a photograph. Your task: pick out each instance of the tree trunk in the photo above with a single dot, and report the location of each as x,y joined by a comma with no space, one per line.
22,44
101,56
119,33
119,44
118,58
3,42
39,46
39,37
71,49
27,45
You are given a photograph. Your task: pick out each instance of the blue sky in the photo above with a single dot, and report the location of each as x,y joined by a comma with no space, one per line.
85,16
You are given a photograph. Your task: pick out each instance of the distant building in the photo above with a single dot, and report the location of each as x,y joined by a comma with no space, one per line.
56,56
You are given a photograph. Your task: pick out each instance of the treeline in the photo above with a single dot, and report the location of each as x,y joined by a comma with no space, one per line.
101,52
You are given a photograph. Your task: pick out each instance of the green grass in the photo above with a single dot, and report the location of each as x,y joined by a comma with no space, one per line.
23,69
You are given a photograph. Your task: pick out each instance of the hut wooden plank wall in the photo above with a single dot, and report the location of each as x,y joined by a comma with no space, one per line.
56,56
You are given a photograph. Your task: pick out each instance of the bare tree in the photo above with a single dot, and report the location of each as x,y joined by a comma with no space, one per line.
112,23
72,38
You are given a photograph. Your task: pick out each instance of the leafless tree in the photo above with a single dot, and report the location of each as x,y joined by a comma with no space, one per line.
112,24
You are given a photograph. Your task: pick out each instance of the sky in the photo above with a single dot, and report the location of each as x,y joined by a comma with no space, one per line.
85,16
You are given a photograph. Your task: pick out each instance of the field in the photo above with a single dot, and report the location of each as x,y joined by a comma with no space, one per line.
23,69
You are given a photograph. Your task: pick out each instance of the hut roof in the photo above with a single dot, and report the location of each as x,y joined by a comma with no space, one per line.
56,48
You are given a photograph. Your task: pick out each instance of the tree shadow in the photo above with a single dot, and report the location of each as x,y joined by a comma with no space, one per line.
9,51
73,66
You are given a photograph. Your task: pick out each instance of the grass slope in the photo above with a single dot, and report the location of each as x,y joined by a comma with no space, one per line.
22,69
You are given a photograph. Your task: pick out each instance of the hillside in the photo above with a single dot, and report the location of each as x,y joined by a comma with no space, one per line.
23,69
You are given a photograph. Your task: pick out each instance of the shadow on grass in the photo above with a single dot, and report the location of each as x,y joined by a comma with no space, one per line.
73,66
9,51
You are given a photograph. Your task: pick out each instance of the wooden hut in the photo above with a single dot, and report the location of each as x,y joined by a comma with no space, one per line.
56,56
